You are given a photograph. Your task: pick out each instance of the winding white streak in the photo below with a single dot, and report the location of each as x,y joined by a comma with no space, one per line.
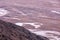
55,11
33,24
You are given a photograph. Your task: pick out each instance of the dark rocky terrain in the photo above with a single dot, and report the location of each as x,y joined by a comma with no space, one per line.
9,31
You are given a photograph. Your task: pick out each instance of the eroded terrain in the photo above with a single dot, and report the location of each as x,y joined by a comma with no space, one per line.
38,16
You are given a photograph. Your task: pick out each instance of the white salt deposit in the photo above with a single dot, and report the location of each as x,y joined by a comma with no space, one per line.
52,35
33,24
3,12
19,24
55,11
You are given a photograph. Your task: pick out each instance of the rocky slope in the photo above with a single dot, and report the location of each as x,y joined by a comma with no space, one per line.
9,31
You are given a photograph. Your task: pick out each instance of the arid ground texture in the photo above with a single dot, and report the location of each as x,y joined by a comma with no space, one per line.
41,17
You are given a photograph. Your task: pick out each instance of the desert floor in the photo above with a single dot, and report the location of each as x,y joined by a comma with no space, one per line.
41,17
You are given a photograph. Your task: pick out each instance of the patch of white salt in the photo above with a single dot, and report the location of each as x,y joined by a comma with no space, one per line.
3,12
19,24
33,24
55,11
52,35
